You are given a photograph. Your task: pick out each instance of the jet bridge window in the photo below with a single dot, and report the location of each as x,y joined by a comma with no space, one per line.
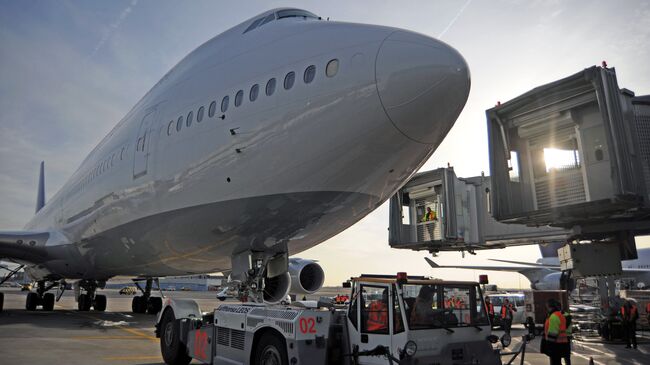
270,87
310,73
255,90
289,80
224,103
239,97
199,114
189,119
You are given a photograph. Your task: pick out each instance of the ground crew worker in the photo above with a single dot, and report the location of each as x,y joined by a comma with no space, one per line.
569,329
629,315
489,308
506,315
378,314
555,339
430,215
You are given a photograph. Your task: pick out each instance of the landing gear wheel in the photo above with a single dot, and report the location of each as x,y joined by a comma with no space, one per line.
31,302
84,303
270,351
100,303
173,352
139,304
155,305
48,302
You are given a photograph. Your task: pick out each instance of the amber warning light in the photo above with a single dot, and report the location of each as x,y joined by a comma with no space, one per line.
483,279
402,278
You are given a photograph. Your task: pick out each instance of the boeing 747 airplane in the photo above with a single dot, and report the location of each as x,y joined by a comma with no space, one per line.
266,140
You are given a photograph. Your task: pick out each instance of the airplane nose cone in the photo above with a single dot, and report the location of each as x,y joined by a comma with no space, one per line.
423,85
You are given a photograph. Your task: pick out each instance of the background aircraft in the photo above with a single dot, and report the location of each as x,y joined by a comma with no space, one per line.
545,274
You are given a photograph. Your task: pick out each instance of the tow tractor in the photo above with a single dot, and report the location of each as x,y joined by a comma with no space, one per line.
388,320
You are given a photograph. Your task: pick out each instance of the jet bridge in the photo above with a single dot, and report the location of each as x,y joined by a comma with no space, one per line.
574,154
437,211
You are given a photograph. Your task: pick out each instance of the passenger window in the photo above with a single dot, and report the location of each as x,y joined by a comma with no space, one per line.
289,79
122,152
188,121
199,114
255,89
332,68
310,72
270,87
211,109
239,97
224,103
169,130
179,124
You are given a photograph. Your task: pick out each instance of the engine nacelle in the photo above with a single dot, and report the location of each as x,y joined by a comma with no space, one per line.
552,281
276,288
307,276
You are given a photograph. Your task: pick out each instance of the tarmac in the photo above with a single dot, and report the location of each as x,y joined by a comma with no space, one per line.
117,336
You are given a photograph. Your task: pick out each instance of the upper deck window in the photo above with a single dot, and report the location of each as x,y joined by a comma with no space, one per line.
295,13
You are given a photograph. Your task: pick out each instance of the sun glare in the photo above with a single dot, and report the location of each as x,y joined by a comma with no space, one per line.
557,159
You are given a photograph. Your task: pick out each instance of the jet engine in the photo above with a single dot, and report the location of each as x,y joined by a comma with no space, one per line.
276,288
307,276
552,281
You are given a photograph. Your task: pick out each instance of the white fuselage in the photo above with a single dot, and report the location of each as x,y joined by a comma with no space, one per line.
288,170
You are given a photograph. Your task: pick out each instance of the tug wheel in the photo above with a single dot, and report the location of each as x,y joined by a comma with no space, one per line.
171,348
270,350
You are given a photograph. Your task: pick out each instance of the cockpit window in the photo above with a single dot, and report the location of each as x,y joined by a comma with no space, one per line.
295,13
269,18
254,25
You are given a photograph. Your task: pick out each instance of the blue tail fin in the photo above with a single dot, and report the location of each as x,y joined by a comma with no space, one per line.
40,198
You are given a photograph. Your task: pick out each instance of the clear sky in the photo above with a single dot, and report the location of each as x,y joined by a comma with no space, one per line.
69,70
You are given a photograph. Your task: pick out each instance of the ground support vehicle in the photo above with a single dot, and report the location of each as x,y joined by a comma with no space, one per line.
535,307
389,320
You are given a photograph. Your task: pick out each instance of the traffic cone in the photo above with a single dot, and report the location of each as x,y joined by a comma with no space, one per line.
591,361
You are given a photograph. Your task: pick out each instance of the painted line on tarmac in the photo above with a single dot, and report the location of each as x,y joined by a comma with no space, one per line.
136,357
127,337
609,354
123,328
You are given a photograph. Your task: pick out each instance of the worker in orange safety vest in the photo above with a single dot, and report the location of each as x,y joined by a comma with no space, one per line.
506,315
378,314
489,308
629,315
555,341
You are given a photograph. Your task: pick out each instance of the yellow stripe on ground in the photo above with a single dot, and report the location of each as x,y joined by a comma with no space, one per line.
126,358
106,338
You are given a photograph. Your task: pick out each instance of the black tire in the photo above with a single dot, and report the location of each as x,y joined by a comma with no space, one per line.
270,348
84,303
138,304
31,302
171,348
155,305
100,303
48,301
2,301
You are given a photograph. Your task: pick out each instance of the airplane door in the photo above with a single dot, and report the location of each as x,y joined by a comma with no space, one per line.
142,143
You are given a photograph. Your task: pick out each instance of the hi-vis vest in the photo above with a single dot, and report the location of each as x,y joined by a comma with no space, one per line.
377,316
633,315
506,311
555,331
490,308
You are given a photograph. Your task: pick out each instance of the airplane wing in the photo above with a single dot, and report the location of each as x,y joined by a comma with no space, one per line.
24,246
557,267
492,268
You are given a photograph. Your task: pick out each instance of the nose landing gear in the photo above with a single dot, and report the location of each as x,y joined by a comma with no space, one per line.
90,299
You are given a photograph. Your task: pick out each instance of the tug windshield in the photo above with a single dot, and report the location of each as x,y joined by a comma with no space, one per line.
443,306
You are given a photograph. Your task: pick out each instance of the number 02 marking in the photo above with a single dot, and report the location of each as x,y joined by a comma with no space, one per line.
307,325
